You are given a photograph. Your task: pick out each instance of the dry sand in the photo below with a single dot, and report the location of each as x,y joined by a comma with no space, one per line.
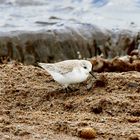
34,107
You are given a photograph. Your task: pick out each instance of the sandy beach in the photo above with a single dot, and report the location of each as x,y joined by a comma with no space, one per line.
34,107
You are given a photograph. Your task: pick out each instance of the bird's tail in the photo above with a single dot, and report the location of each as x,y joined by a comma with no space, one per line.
43,65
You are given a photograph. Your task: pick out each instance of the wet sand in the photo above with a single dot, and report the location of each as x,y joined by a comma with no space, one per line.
34,107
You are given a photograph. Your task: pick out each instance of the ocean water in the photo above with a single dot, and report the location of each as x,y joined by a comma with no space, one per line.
41,15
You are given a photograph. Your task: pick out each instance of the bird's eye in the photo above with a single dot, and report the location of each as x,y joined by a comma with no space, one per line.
85,67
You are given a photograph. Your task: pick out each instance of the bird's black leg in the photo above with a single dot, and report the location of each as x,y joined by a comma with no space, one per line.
70,89
66,90
73,89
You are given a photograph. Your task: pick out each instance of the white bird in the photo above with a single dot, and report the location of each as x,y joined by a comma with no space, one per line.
69,71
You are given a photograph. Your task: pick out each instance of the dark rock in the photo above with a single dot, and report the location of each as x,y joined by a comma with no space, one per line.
97,109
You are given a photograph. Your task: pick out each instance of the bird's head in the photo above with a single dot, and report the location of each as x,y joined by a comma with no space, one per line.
87,67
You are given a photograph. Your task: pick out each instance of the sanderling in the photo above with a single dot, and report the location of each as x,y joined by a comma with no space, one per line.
69,71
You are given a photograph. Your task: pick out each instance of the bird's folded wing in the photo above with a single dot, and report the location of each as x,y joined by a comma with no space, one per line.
62,69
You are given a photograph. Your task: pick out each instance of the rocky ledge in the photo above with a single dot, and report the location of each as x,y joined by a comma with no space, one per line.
66,42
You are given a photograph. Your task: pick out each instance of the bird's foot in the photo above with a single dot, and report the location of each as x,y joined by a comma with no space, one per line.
69,89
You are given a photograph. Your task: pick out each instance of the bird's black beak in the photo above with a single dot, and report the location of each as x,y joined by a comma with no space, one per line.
92,74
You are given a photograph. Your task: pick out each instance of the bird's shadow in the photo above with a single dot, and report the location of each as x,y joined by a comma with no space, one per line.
61,93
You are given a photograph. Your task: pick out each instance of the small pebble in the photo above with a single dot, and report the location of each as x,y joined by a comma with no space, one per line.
87,133
133,137
133,119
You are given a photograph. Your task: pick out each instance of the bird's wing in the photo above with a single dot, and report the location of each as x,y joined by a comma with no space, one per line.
64,69
58,68
48,67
